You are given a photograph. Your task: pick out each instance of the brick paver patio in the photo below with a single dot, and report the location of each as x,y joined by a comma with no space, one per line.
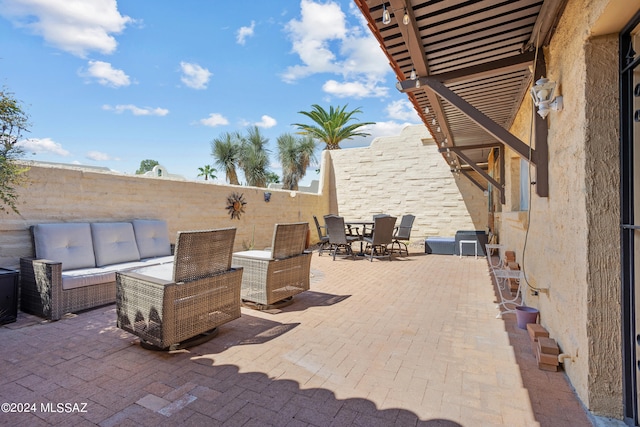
409,342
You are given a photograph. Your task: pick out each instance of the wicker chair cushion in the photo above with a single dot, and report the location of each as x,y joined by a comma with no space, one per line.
68,243
162,271
152,237
113,243
255,254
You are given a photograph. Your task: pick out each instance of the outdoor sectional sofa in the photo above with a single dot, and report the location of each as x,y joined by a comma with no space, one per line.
75,264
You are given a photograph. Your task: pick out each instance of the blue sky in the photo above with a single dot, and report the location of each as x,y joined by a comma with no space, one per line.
110,83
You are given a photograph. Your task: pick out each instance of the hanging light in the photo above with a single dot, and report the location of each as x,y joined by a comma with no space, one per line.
405,18
413,74
426,110
386,16
417,82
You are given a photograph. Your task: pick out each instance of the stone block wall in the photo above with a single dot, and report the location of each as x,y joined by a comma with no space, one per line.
405,174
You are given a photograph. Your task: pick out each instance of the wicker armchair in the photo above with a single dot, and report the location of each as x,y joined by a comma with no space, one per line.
169,305
273,277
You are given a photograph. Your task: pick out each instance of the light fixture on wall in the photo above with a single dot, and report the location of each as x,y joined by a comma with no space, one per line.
386,16
542,94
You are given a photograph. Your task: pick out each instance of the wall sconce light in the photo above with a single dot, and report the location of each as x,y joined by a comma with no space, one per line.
267,196
386,16
542,94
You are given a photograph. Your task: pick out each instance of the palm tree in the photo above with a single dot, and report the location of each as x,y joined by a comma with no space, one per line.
226,151
208,172
254,157
331,127
295,155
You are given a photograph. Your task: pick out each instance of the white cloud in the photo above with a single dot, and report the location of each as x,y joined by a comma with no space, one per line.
245,32
194,76
214,120
136,111
403,110
105,74
74,26
99,156
354,89
43,146
266,122
325,43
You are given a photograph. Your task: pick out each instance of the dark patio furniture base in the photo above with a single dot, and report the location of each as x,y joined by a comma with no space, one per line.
191,342
264,307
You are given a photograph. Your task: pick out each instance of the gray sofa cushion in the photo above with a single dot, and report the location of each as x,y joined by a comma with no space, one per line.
68,243
113,243
152,237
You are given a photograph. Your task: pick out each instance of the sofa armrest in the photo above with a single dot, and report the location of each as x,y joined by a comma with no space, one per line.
41,287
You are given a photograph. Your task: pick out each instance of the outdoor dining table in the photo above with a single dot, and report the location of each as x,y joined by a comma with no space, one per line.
355,225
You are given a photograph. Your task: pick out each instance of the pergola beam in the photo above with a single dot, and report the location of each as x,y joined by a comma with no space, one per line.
458,152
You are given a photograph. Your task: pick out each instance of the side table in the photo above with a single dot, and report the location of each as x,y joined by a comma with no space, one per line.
8,295
470,242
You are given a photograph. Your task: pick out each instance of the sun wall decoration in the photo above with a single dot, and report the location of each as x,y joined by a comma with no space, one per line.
235,205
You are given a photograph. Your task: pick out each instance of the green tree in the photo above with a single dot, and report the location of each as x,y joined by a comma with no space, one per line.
295,156
207,171
332,126
225,149
272,178
13,122
146,166
254,157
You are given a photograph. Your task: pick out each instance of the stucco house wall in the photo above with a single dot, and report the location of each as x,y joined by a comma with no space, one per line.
405,174
577,226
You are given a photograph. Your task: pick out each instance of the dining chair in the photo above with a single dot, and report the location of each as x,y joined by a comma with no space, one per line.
402,234
367,232
338,238
322,235
381,237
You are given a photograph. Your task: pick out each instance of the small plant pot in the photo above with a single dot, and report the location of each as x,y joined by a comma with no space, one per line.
525,315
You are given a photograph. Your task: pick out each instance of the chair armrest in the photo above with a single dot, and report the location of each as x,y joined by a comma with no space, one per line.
350,229
367,230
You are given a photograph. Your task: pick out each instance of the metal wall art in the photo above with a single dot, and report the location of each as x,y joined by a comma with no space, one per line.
235,205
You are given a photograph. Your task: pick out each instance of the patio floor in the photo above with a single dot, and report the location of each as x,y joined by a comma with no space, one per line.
409,342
